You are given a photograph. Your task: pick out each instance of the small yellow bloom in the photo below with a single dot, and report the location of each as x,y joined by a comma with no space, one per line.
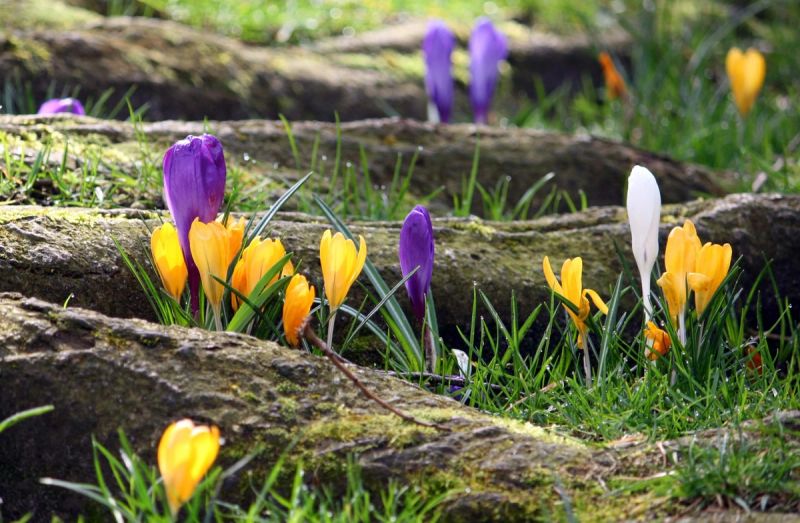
571,288
236,235
296,307
658,342
746,72
168,258
615,84
256,260
341,265
185,453
713,263
210,246
679,258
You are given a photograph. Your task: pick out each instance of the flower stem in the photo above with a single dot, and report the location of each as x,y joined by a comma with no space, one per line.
331,322
309,334
217,319
430,350
587,367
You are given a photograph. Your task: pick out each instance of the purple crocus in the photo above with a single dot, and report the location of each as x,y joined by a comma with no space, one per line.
61,105
487,47
416,250
194,185
438,47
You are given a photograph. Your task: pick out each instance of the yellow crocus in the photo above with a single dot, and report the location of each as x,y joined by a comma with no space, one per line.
658,342
679,258
746,72
210,246
713,263
185,453
235,235
341,265
256,260
571,288
168,258
296,307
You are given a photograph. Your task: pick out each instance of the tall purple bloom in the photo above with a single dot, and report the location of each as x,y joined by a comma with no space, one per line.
438,47
61,105
416,249
487,47
194,185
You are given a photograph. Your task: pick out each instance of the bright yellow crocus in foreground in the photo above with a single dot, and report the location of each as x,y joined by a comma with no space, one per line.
679,258
296,306
658,342
210,246
168,258
256,260
713,264
746,72
185,453
341,265
571,288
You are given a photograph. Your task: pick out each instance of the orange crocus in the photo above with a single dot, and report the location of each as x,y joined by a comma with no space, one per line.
296,307
615,84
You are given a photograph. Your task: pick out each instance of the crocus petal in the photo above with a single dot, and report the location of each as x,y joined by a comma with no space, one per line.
185,453
644,213
713,264
437,47
297,304
209,245
168,258
597,300
62,105
658,342
746,73
487,47
615,84
550,276
417,250
194,185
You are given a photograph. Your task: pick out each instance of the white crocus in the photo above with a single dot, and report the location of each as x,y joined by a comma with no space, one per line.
644,213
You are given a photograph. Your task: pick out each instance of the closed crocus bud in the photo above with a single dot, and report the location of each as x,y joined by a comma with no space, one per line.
168,259
296,307
487,47
194,186
438,47
185,453
416,250
256,260
658,342
644,213
210,245
61,105
341,265
615,84
746,72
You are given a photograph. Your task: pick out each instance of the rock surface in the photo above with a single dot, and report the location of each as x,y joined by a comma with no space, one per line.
102,374
596,166
55,253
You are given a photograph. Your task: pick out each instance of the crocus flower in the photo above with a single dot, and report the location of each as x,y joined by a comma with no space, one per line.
711,267
168,259
754,362
210,246
644,212
746,72
416,250
256,260
658,342
341,265
615,84
571,288
61,105
194,185
438,46
296,307
185,453
679,258
235,235
487,47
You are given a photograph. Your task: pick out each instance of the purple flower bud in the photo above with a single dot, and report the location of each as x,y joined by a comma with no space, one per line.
62,105
487,47
438,46
416,250
194,185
